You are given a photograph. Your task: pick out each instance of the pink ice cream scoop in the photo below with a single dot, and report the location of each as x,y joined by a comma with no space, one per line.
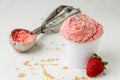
81,28
23,36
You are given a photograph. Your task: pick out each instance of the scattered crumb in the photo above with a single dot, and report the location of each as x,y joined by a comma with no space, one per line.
17,68
42,60
54,64
62,44
84,78
57,49
21,75
65,67
31,68
29,65
26,63
32,58
42,66
47,75
48,60
36,64
76,78
52,59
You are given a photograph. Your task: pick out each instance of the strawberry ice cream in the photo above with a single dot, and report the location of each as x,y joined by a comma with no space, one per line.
23,36
81,28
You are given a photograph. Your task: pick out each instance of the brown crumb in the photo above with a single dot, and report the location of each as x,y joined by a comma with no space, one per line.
62,44
42,60
29,65
54,64
47,75
31,68
17,68
32,58
48,60
65,67
76,78
42,65
57,49
52,59
26,63
84,78
21,75
36,64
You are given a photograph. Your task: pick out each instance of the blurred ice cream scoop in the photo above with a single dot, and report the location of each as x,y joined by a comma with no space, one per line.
81,28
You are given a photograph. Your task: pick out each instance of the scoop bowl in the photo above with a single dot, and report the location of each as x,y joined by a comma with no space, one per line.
21,46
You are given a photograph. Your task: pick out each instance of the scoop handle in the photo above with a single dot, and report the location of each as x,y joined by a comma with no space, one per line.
48,19
52,23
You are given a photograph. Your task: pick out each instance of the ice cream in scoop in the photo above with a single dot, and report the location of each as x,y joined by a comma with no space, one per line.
81,28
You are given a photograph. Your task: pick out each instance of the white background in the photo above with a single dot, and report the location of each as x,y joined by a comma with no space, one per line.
28,13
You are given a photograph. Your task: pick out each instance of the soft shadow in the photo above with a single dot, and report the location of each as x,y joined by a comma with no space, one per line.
38,47
34,49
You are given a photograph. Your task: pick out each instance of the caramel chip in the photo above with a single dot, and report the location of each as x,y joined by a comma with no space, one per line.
26,63
21,75
62,44
36,64
17,68
57,49
84,78
65,67
76,78
47,75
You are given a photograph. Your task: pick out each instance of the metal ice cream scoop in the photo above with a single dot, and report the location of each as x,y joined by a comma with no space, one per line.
51,23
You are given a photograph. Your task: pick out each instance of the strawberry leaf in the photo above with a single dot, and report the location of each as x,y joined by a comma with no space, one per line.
95,55
100,58
105,63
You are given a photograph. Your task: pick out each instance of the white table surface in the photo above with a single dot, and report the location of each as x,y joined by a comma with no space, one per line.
28,14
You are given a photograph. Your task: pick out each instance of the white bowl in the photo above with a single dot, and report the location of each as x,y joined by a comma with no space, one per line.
77,54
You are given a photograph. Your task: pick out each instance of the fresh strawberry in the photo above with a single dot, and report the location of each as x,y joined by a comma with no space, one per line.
95,66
